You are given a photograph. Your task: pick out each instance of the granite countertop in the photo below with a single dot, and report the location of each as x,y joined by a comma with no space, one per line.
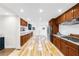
77,43
25,32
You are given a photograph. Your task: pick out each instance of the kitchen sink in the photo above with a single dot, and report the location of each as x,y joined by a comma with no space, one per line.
71,38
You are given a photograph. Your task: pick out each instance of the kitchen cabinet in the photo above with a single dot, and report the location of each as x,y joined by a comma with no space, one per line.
66,47
25,38
23,22
61,19
56,42
76,11
50,22
73,49
54,26
69,15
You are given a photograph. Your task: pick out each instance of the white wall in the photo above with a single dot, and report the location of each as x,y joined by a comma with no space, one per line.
67,29
39,30
10,29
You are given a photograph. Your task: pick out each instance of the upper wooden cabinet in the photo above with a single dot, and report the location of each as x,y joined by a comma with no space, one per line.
69,15
50,23
61,19
54,26
23,22
76,11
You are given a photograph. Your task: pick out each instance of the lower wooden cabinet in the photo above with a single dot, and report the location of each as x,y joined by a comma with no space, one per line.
25,38
72,51
56,42
64,48
67,48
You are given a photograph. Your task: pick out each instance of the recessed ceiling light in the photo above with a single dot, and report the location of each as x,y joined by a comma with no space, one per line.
41,10
59,10
21,10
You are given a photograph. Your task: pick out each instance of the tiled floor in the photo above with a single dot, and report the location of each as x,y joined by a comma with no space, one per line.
6,52
38,46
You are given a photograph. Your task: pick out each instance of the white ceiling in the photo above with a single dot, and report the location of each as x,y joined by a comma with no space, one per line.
32,10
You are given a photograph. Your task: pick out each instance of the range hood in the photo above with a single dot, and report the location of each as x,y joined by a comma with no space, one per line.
71,22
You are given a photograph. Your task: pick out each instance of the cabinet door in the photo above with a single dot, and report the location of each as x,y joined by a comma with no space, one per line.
23,22
73,51
76,11
54,40
58,43
61,19
69,15
23,40
64,48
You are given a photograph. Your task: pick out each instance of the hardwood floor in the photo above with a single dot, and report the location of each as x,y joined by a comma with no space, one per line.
6,51
38,46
